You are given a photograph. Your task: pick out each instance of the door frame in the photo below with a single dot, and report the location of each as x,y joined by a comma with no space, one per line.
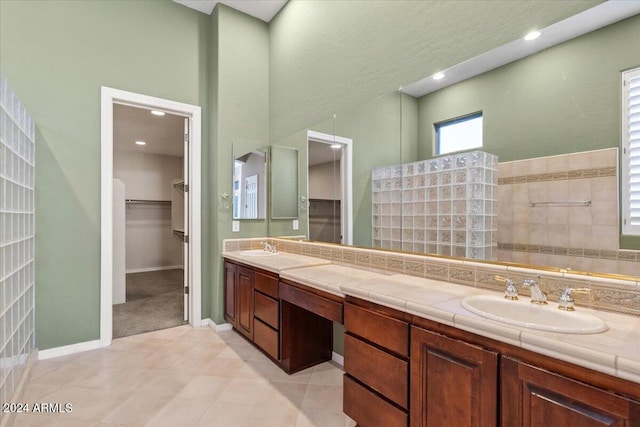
346,175
109,97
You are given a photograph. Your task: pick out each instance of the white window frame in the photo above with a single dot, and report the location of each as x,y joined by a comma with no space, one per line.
437,126
627,227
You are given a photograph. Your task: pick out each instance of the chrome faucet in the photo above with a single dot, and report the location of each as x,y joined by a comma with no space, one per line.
566,301
537,296
510,292
269,248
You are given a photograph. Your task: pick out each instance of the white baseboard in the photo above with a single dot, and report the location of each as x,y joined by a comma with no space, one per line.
218,328
147,269
68,349
337,358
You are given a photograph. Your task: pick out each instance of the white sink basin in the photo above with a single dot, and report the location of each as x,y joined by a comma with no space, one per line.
542,317
258,252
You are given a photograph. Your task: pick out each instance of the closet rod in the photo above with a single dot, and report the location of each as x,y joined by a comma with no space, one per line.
147,202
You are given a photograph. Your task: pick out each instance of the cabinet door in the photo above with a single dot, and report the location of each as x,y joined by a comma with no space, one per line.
534,397
453,383
230,302
245,302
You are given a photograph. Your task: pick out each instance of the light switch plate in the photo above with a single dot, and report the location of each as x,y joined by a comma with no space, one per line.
296,224
235,226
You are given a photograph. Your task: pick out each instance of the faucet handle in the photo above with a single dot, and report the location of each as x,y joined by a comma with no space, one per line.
510,292
566,301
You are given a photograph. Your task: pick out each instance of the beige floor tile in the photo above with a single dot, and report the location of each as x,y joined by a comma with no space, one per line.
271,415
204,387
130,379
137,410
238,350
312,417
221,366
167,384
226,415
257,369
34,392
64,375
181,377
97,404
40,420
171,333
326,374
283,393
301,377
97,375
323,397
180,412
241,390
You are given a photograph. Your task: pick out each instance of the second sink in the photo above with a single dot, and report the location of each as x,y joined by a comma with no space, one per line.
544,318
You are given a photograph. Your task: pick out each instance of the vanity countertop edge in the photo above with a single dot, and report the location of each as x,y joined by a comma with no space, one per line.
615,352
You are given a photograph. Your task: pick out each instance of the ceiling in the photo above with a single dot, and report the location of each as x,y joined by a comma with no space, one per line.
261,9
163,135
321,152
606,13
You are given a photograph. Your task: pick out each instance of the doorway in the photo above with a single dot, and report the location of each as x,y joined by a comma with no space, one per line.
164,192
329,168
148,220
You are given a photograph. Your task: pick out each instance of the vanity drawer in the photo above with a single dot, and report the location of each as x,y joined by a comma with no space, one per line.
266,338
368,409
390,333
266,309
386,374
266,284
329,306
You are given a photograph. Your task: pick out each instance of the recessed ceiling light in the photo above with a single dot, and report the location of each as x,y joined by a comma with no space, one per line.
532,36
157,113
141,143
336,146
438,76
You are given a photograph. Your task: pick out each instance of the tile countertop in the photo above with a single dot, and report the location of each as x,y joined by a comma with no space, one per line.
277,263
615,352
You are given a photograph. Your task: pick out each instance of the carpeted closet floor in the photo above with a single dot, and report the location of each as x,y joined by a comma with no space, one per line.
154,301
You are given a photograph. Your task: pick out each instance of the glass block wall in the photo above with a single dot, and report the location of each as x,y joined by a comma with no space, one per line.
445,205
17,155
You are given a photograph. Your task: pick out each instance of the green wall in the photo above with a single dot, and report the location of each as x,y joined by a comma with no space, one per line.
330,56
238,95
562,100
254,81
56,55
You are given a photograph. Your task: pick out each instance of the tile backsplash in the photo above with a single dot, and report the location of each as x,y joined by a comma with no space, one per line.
607,293
542,219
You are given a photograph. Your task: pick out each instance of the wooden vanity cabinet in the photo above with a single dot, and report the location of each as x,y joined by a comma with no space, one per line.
266,313
453,383
376,365
535,397
238,298
251,305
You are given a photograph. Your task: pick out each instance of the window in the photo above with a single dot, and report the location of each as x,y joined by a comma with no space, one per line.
631,152
459,134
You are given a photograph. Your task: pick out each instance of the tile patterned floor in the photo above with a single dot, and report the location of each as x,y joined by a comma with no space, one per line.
183,377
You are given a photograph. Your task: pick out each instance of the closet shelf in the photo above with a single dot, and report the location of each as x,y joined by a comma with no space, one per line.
166,203
179,185
179,233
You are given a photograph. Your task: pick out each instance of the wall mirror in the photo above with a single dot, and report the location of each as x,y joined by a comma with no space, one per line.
249,180
548,117
284,182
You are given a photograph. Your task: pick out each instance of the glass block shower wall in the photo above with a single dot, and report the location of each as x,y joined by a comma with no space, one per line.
17,154
445,205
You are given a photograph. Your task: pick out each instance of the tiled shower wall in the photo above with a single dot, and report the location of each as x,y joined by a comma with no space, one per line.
541,219
17,155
